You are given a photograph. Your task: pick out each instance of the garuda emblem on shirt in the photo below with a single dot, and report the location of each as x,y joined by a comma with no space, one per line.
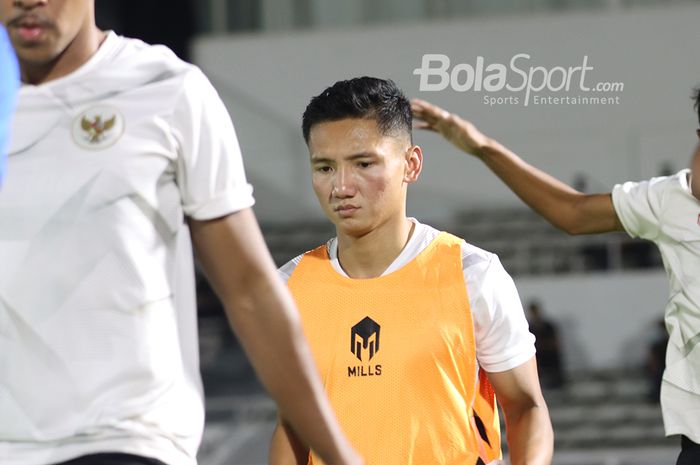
98,127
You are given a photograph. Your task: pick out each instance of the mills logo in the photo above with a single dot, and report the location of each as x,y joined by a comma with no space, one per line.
364,344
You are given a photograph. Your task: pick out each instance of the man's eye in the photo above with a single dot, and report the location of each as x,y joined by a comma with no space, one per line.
323,169
365,164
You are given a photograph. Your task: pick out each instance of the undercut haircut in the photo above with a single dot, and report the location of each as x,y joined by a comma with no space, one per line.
365,98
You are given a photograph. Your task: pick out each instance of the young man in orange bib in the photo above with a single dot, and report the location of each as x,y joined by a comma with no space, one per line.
413,330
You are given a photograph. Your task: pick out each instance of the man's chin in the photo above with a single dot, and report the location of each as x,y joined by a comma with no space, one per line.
36,54
350,227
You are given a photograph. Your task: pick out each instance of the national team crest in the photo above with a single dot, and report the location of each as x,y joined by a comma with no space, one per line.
98,127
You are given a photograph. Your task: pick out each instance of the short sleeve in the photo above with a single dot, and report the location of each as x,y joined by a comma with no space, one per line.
637,205
503,338
210,173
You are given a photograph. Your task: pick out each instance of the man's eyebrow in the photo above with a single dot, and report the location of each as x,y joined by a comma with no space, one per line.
355,156
352,157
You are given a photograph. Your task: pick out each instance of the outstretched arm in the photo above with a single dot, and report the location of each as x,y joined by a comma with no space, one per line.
235,258
563,206
528,428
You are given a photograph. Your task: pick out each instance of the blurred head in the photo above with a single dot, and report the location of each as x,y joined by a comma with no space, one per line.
359,137
535,310
42,31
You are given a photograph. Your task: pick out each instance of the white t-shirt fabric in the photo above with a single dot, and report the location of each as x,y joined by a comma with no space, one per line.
502,337
663,210
98,329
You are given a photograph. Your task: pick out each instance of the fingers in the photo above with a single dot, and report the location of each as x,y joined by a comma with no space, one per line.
427,116
426,110
423,125
419,108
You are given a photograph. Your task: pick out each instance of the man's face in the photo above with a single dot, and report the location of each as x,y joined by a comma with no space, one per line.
359,174
41,30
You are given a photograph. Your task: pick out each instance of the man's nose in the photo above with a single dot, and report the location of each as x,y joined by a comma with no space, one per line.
343,185
28,4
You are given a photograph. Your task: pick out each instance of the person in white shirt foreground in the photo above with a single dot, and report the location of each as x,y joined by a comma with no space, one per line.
121,157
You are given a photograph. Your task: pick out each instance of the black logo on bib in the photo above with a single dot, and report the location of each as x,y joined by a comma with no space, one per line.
364,337
364,344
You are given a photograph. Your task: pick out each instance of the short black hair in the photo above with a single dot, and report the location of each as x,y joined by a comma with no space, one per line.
696,98
362,97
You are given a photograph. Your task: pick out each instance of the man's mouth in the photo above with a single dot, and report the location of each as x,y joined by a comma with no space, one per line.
346,210
30,32
29,27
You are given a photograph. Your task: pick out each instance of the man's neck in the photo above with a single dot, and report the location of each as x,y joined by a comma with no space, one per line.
369,255
72,58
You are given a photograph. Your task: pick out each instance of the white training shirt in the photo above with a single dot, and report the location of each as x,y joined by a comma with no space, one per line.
98,329
503,340
663,210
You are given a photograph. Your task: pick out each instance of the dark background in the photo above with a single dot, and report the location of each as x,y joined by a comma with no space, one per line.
175,22
172,23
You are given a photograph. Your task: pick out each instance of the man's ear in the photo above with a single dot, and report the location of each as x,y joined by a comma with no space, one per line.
414,164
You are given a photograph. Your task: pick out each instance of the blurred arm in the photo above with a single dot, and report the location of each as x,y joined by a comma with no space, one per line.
234,257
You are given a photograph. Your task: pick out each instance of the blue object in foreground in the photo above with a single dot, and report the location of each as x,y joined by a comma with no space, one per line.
9,84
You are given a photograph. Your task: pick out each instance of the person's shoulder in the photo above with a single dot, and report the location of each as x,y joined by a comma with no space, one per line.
657,183
472,256
476,262
151,62
286,270
426,234
160,55
476,258
674,181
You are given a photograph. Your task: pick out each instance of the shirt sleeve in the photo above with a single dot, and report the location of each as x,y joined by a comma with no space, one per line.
286,270
637,205
503,339
210,173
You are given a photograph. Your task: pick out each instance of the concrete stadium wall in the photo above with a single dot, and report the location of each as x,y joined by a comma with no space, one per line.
267,80
605,320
